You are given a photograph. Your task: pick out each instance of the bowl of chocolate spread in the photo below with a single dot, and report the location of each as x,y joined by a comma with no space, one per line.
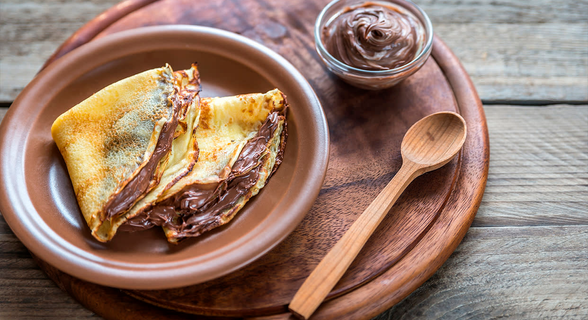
373,44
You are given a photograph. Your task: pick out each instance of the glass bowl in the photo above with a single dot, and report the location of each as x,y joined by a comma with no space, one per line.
372,79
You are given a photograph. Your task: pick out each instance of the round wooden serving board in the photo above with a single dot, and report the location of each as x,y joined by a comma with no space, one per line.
366,128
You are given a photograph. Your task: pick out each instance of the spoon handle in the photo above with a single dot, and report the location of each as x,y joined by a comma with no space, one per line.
332,267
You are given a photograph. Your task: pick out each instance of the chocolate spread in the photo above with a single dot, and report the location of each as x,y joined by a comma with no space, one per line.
197,208
140,184
374,36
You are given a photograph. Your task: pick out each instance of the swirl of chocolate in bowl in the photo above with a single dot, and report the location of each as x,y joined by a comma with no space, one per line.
374,36
373,44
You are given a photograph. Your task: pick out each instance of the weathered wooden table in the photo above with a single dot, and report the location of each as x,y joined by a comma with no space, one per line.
526,254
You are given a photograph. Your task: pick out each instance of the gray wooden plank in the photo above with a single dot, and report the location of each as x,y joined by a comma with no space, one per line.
514,272
31,30
25,291
518,50
515,61
504,11
538,166
513,50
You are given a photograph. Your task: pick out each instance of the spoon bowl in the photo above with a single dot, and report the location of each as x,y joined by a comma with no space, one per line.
434,140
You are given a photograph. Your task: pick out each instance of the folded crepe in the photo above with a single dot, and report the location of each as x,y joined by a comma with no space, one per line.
129,140
147,151
241,141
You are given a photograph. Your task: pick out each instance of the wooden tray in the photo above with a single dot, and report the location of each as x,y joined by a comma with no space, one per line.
366,128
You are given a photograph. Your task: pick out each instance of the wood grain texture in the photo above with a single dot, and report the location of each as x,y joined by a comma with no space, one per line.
513,50
545,62
541,267
88,32
31,30
507,272
538,167
25,290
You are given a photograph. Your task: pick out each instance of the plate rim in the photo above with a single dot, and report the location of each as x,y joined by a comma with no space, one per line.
45,243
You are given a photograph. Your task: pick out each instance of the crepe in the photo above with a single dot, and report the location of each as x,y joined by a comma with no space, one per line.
241,140
128,140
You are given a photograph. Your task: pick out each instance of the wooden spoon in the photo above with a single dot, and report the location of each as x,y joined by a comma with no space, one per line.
428,145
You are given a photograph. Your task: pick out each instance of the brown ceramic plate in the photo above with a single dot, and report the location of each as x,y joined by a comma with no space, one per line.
37,199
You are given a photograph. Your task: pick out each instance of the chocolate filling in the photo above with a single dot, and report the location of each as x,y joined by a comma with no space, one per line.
144,181
198,208
374,36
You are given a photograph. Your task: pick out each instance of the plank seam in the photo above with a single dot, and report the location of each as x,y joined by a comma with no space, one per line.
535,103
576,225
